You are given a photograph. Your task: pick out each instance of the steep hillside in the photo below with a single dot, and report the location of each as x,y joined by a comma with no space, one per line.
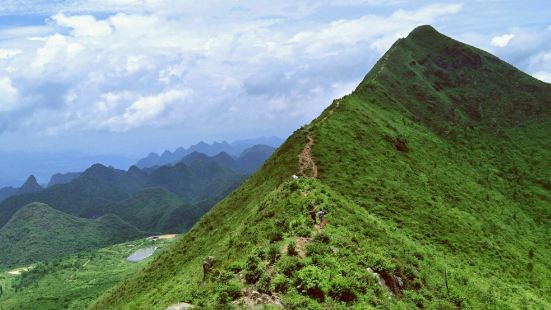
435,176
38,233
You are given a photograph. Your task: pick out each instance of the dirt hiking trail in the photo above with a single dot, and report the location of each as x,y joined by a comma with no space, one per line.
308,167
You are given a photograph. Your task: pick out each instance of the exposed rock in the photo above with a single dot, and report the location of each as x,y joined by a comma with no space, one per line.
180,306
393,284
208,264
252,299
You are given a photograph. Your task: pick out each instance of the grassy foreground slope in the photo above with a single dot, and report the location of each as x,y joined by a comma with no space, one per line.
436,177
74,281
39,233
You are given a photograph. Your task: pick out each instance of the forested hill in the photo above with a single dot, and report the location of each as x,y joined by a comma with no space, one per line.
39,233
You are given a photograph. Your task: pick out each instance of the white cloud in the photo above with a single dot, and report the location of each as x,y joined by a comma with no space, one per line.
503,40
8,53
128,69
144,109
58,52
379,31
161,64
84,25
8,95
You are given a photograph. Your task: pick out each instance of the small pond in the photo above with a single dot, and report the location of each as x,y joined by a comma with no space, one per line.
141,254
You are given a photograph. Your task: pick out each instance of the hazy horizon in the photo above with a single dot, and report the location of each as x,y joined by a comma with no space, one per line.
17,166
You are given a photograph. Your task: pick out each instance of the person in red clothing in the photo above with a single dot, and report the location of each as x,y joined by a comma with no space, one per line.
321,215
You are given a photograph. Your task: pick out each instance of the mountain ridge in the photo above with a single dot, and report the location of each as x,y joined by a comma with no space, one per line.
423,190
234,149
95,191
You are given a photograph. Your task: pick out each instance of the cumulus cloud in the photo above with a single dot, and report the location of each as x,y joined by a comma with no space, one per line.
130,66
503,40
144,109
125,70
379,31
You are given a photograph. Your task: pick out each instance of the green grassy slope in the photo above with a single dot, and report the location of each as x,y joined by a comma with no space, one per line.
38,233
435,171
74,281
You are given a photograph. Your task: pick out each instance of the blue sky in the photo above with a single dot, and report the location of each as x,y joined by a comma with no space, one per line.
132,76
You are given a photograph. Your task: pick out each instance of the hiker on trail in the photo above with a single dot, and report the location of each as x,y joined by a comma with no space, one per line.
312,212
321,215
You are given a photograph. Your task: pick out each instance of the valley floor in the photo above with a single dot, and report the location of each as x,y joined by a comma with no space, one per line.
75,281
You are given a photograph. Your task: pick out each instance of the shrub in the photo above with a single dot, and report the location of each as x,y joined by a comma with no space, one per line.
315,248
223,276
312,281
228,292
303,230
380,263
292,248
293,186
273,253
289,265
343,289
235,267
280,283
275,235
322,237
261,253
263,284
299,302
253,270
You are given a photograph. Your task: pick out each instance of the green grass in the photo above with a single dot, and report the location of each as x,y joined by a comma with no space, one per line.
74,281
435,168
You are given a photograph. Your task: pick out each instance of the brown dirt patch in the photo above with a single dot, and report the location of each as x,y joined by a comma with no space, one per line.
300,246
308,167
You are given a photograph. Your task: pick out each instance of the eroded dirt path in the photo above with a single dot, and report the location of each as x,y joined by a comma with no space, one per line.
308,167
